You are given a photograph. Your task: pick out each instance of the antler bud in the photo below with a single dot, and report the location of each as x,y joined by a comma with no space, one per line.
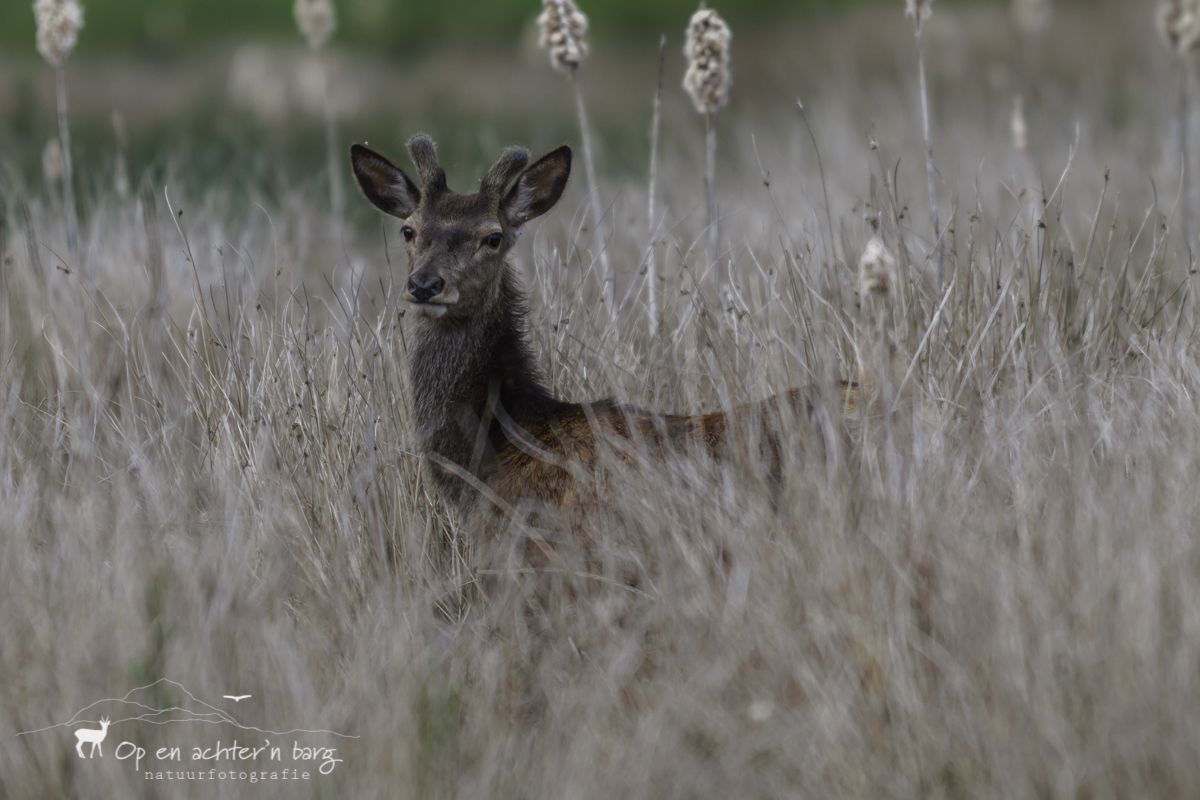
507,167
423,152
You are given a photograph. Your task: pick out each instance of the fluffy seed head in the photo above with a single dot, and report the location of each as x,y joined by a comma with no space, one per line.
316,20
1020,131
52,161
1179,24
58,24
759,711
706,46
1033,16
876,268
919,10
563,27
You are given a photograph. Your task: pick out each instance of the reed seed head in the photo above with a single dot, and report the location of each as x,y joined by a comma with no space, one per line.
1033,17
563,28
1020,131
919,10
1179,24
58,24
708,76
52,161
759,711
316,20
876,267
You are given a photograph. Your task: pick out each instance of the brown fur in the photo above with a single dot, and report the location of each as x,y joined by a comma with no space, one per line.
543,468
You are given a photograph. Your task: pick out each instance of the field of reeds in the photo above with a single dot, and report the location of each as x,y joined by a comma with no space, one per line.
208,470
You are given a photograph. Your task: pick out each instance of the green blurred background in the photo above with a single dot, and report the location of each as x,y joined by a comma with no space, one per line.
389,25
210,87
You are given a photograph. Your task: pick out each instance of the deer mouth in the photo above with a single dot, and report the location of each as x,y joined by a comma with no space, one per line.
434,307
428,309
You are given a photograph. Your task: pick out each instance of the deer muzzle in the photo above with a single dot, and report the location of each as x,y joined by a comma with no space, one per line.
428,294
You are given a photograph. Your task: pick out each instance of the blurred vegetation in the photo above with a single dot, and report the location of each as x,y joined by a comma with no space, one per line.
213,137
400,26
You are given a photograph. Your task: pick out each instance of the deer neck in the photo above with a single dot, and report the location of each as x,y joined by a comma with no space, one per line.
472,380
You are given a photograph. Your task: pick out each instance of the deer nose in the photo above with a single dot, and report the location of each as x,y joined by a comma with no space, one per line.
424,288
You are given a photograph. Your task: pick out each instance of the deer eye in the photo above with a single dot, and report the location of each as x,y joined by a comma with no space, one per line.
408,233
494,240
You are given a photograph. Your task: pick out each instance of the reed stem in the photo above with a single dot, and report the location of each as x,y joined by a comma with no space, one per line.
930,169
585,134
70,214
710,196
652,196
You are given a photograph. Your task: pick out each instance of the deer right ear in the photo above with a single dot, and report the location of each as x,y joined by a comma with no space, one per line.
384,184
538,188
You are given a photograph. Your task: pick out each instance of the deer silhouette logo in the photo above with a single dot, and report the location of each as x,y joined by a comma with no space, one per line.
92,736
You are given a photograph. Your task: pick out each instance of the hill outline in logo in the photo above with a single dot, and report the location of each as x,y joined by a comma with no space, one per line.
141,712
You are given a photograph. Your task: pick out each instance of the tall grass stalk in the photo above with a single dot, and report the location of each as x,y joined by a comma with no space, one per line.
710,196
1032,20
812,138
652,197
70,211
707,80
317,21
1179,24
332,150
1184,133
920,11
58,26
563,28
593,190
1031,186
120,159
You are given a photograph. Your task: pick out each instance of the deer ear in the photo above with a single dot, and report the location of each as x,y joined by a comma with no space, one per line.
538,188
384,184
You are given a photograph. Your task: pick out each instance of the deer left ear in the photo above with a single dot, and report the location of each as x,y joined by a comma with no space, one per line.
538,188
384,184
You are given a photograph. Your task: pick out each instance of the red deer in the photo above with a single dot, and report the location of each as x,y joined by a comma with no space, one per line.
486,421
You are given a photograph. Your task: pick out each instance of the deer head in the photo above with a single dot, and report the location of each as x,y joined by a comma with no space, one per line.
104,723
457,243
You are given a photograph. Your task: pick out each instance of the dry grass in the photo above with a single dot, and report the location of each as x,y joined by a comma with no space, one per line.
206,473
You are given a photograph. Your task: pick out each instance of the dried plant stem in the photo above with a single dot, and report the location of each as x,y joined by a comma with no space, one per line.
1185,141
121,167
812,137
585,135
652,196
930,170
1027,70
710,195
336,199
70,217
